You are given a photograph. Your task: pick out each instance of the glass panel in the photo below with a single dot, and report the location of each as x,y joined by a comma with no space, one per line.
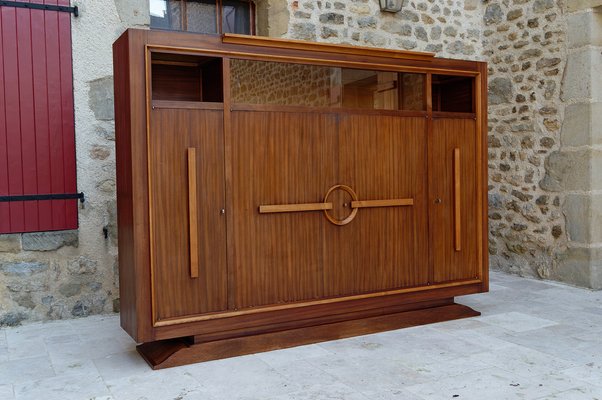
381,90
201,16
412,92
236,17
261,82
166,14
370,89
453,93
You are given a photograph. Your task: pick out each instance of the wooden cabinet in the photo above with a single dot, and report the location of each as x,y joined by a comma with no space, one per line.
273,193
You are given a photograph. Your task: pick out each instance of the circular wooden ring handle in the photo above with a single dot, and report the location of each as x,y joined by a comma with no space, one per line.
351,216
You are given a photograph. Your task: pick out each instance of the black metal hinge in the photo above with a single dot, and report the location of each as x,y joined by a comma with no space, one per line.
38,6
57,196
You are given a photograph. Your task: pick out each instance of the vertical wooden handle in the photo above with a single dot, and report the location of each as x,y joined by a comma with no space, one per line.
457,193
193,214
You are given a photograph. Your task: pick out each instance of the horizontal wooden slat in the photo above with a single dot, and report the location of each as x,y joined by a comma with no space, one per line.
260,41
279,208
382,203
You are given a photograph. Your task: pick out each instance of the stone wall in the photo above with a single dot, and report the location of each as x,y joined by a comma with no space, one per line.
525,44
55,275
450,28
544,60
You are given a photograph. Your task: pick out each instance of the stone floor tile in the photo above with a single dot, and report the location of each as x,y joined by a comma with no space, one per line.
516,321
590,373
490,384
286,356
26,369
121,365
62,388
584,392
238,377
534,340
7,392
523,361
163,384
336,391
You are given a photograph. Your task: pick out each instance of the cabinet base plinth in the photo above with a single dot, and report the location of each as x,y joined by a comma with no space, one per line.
182,351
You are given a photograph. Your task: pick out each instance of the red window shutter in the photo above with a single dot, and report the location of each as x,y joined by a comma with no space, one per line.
37,133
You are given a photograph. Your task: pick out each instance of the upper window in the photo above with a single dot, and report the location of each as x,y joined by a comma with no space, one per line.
204,16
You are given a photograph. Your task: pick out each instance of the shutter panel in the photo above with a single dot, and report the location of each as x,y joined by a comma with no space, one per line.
37,135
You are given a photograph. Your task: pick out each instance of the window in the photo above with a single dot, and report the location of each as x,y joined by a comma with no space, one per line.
204,16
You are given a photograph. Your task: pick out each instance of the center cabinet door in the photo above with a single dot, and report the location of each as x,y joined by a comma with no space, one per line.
294,158
280,158
383,159
188,230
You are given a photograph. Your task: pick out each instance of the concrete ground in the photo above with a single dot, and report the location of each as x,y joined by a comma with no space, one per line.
535,340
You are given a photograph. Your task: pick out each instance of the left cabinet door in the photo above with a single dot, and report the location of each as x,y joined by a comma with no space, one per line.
188,229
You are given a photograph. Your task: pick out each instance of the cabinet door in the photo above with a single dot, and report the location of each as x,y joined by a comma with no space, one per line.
453,199
382,159
188,232
280,158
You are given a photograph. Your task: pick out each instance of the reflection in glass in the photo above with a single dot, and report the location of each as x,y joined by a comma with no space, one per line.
261,82
166,14
201,16
236,17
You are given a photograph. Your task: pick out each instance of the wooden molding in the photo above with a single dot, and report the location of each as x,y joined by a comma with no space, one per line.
262,41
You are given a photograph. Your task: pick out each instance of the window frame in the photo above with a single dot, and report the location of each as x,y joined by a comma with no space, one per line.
219,7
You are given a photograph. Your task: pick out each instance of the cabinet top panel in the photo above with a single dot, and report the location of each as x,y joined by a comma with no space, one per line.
296,51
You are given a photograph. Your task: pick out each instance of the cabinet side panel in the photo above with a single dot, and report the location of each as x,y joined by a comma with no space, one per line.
127,275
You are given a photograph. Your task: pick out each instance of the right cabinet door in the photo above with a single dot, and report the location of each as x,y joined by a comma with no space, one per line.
453,198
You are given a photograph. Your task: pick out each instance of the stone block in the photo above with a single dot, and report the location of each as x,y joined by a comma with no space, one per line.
10,243
567,170
582,125
133,12
595,219
584,29
500,91
100,98
23,268
577,210
12,319
576,5
581,79
49,241
574,267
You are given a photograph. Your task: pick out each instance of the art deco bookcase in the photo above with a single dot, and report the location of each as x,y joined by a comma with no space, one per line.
273,193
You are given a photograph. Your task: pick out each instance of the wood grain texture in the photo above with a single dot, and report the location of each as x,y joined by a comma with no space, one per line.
279,158
282,273
383,247
450,265
193,226
178,352
172,133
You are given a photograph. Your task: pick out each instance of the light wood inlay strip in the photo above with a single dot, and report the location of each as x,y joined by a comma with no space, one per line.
279,208
457,193
382,203
291,306
193,214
